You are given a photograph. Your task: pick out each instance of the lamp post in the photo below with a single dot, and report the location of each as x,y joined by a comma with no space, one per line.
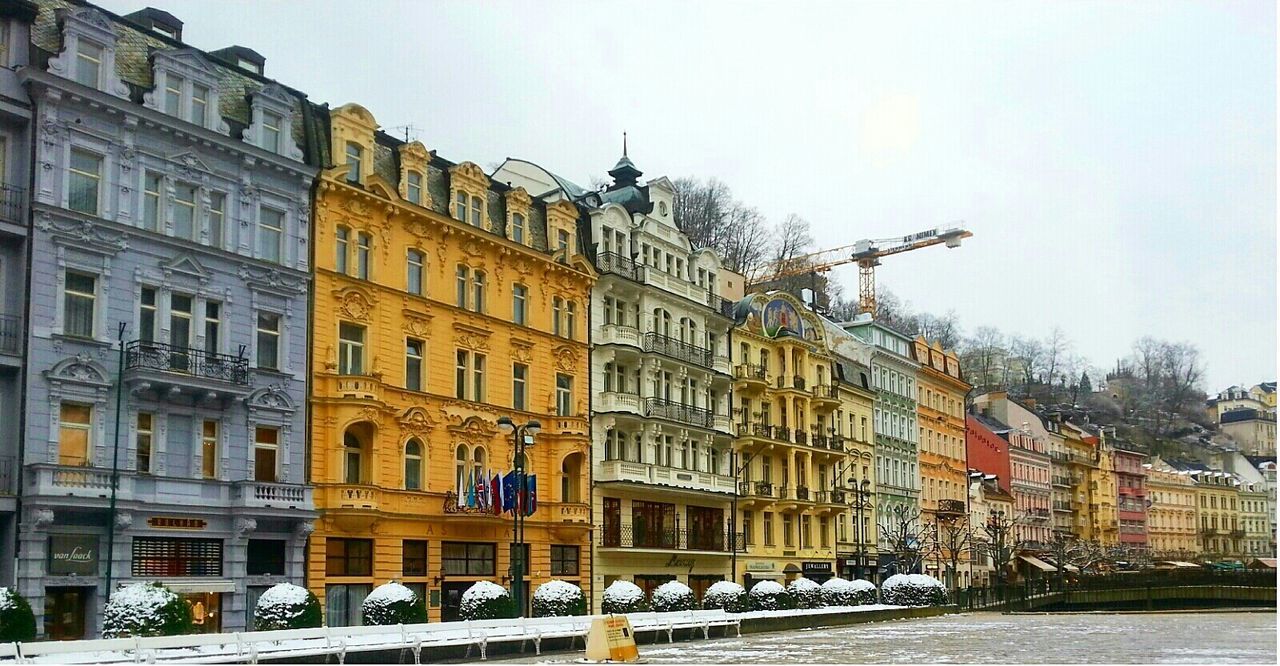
861,494
733,509
522,437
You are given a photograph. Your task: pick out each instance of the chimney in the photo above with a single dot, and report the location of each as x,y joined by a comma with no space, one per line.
242,57
158,21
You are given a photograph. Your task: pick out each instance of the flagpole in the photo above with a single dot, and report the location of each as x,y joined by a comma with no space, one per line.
519,434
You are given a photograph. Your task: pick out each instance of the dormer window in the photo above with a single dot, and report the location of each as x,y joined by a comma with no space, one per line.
271,131
248,65
517,228
355,155
173,95
476,218
413,188
460,207
165,30
199,105
88,63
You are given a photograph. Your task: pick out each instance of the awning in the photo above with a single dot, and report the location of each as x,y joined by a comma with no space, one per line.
198,586
1263,563
1176,564
791,568
1037,563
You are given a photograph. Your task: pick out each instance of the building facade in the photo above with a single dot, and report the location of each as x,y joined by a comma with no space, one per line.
1171,519
1254,431
446,303
986,451
987,500
1129,460
944,473
897,433
856,533
167,332
791,461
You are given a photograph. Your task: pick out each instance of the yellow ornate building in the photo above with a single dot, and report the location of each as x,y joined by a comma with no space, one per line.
1171,519
1083,459
1217,513
856,538
443,301
790,490
944,479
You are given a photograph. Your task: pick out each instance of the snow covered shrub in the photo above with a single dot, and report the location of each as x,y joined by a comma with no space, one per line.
286,606
393,603
145,609
17,622
672,596
841,592
913,590
623,597
805,593
769,595
556,598
486,601
726,595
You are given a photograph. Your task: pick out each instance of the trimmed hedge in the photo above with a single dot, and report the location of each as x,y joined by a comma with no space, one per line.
17,622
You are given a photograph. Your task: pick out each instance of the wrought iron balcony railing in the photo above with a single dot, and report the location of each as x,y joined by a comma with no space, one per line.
751,372
13,203
677,349
675,411
612,262
10,334
670,538
755,489
144,355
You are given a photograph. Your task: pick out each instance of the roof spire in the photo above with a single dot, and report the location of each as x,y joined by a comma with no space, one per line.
624,172
624,143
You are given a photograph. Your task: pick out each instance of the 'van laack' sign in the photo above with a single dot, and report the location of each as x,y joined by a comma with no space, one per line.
73,554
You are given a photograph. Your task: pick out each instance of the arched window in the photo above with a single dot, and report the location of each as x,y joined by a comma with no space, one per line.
477,462
355,155
570,478
354,443
476,218
413,465
460,470
557,315
342,240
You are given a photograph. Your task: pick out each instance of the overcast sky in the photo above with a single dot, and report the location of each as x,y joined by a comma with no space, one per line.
1115,161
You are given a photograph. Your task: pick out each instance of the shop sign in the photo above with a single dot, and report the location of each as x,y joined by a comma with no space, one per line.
169,523
682,564
816,567
73,555
760,566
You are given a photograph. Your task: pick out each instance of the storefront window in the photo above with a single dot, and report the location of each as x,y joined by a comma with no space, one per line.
206,611
167,556
342,604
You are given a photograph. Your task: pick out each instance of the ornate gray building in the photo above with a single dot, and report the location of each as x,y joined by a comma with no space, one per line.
167,326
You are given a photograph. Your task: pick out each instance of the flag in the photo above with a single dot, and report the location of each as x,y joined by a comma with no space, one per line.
495,493
462,495
509,492
532,504
471,490
482,499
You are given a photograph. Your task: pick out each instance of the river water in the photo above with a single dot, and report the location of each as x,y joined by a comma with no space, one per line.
992,638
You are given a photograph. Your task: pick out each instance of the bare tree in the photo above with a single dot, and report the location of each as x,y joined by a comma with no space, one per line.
1056,348
983,355
952,539
944,330
908,539
999,541
1027,355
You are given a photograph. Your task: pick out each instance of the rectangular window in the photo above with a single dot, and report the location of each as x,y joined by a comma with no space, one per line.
413,187
477,291
340,243
199,105
270,233
151,186
517,228
564,560
413,270
75,432
343,604
768,528
413,364
266,557
519,386
460,375
571,319
173,95
88,63
414,559
266,448
477,377
268,341
463,279
787,539
477,218
562,239
468,559
355,156
184,211
519,304
271,132
557,315
363,244
348,557
209,450
350,349
460,207
212,326
564,395
79,298
169,557
147,315
84,181
217,218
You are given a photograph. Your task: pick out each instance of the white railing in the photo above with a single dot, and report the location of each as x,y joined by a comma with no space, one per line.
618,335
623,470
613,401
251,647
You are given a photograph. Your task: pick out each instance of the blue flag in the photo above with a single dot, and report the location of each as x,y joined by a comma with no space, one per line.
532,504
509,492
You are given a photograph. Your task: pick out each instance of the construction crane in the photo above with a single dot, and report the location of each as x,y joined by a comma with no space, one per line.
866,253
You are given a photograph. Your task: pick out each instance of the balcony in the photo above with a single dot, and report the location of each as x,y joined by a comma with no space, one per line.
74,481
10,334
677,538
751,378
357,387
825,397
1062,506
612,401
260,494
8,474
567,425
617,334
13,204
453,505
350,496
637,472
830,497
1038,513
681,287
1064,481
617,264
762,490
177,370
670,410
677,349
793,383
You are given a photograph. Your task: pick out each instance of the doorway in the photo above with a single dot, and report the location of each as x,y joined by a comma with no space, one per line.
64,613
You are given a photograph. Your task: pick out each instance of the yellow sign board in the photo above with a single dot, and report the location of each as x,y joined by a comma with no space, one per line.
611,639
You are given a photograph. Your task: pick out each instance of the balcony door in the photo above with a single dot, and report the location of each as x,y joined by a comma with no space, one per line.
180,308
653,524
706,528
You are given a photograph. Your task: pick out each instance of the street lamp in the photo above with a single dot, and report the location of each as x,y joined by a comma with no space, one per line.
522,437
861,494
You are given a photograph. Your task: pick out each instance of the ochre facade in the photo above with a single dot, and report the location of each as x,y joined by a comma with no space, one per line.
440,306
944,479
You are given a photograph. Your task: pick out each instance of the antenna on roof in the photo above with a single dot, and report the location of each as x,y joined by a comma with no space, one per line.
410,132
624,143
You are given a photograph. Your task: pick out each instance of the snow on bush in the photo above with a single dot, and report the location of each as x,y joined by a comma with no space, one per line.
486,601
286,606
805,593
393,603
556,598
841,592
769,595
913,590
145,609
726,595
623,597
672,596
17,622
